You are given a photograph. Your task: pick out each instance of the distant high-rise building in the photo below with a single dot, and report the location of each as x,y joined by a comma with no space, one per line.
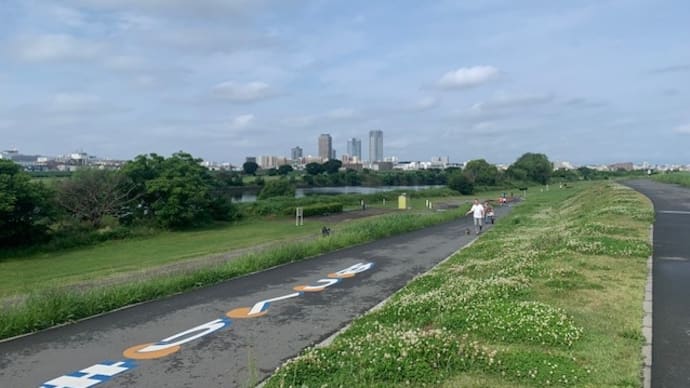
333,154
375,146
354,148
296,153
251,159
325,146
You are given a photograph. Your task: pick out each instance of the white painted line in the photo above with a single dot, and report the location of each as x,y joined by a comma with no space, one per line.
673,258
674,212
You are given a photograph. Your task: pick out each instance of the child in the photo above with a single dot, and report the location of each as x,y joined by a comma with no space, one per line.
489,212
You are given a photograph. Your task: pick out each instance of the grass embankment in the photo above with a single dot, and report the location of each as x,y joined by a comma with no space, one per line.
680,178
23,274
32,270
54,306
551,296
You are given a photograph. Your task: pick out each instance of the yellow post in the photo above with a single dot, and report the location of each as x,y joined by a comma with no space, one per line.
402,202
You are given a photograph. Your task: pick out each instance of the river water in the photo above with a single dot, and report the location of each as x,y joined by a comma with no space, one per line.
250,196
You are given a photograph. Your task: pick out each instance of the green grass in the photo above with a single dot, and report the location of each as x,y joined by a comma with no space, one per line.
54,306
552,296
680,178
24,274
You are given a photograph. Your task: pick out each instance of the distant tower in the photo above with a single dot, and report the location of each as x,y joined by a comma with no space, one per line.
325,146
375,146
296,153
354,148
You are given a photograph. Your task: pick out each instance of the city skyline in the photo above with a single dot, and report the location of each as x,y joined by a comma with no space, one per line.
577,81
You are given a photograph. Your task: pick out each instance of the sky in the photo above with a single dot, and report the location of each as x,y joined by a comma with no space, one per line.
597,81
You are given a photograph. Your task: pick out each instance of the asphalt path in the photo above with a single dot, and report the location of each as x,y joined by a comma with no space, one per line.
223,335
670,283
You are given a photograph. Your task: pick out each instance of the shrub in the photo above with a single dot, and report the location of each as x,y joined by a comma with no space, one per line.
322,209
277,188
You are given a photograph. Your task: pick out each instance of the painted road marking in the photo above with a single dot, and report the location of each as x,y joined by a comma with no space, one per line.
104,371
673,212
672,258
172,344
93,375
306,288
351,271
259,309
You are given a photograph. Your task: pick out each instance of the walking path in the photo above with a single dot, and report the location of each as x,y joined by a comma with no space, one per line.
234,333
670,283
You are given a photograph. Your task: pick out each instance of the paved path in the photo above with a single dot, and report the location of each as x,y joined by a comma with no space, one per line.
671,283
188,340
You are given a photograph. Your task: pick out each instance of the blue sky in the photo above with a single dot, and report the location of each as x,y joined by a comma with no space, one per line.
585,81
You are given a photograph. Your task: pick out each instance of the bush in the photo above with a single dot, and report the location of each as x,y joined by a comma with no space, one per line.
461,184
277,188
322,209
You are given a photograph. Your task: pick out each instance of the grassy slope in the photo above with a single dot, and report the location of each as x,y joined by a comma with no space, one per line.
54,306
551,296
25,274
681,178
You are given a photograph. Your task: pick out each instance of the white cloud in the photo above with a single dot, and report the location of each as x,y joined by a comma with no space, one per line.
426,103
341,114
682,129
69,16
186,8
145,80
506,102
241,121
73,103
238,92
55,47
124,63
466,77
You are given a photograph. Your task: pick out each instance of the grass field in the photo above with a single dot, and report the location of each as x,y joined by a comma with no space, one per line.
25,274
30,273
680,178
552,296
56,305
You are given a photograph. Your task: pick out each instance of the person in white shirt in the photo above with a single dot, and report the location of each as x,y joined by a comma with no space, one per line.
478,214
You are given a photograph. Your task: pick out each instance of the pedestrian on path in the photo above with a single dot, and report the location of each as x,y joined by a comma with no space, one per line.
477,211
489,210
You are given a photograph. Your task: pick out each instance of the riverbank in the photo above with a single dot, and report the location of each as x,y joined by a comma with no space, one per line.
53,305
552,296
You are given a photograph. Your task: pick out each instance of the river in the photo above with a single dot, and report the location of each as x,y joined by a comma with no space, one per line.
250,195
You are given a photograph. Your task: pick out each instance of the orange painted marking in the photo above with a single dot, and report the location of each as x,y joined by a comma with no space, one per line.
133,352
243,312
340,276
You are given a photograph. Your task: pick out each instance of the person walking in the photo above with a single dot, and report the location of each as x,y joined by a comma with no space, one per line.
477,211
489,211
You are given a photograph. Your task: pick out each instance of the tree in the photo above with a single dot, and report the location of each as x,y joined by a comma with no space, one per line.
277,188
314,168
178,191
250,168
25,206
534,167
91,194
226,179
332,166
481,172
285,169
460,183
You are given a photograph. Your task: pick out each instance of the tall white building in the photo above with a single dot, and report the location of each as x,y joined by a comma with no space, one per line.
354,148
375,146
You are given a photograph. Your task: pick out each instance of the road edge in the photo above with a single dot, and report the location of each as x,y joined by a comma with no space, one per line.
647,319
